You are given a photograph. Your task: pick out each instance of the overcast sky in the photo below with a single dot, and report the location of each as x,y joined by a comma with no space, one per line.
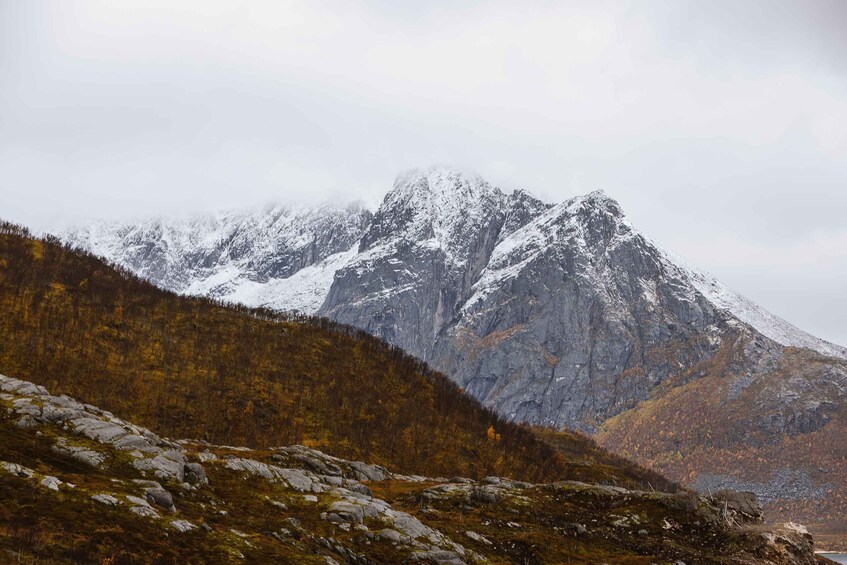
720,126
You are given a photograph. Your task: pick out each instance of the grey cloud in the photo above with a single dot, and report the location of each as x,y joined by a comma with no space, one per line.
719,122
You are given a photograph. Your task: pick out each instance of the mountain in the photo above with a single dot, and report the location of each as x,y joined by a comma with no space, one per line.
192,367
537,310
279,257
81,485
565,315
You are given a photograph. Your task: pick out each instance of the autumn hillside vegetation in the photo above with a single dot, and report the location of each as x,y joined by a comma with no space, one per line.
194,368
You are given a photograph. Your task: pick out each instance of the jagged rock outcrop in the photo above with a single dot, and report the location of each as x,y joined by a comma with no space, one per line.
296,504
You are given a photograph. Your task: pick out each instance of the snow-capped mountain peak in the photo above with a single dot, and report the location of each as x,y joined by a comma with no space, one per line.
441,205
437,191
535,308
489,236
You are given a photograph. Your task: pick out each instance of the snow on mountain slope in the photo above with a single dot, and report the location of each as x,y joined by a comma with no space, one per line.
281,257
745,310
304,291
517,251
441,206
555,226
159,250
425,247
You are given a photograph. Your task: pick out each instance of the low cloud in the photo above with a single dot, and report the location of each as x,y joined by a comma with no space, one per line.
720,126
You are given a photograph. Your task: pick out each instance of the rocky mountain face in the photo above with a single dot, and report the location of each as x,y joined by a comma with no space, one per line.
756,416
419,259
276,256
543,314
566,315
82,485
561,315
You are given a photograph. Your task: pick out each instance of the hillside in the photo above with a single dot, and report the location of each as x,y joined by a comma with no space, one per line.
193,368
778,431
83,486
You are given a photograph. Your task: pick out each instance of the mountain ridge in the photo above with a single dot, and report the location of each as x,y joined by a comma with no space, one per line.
98,237
226,255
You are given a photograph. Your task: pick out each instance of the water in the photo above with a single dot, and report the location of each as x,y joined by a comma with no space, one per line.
837,557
